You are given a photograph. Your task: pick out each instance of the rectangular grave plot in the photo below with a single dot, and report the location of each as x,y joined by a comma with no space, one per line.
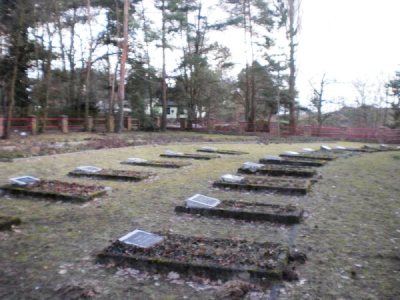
6,222
280,170
159,164
273,184
249,212
191,156
309,156
113,174
212,258
58,190
228,152
293,162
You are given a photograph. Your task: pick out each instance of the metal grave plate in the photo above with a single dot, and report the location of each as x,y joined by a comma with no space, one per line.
251,166
232,178
326,148
291,153
209,149
89,169
140,238
202,201
273,157
340,148
24,180
171,152
136,160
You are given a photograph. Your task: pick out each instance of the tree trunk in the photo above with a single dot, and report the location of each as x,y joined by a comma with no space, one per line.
292,67
163,76
88,66
124,56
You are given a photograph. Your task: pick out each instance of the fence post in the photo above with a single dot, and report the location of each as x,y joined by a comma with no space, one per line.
211,124
157,122
129,123
33,124
110,124
64,124
183,123
89,125
307,130
1,126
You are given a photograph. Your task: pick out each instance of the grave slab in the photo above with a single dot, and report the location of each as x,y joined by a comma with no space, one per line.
280,170
158,164
266,183
190,156
57,190
215,150
111,174
309,156
292,161
247,211
223,259
6,222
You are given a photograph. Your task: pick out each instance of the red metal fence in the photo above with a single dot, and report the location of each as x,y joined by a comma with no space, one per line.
65,124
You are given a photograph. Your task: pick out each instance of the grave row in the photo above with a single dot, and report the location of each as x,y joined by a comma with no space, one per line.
214,258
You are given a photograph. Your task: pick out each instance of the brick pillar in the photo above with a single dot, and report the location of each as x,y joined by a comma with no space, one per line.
129,123
110,124
157,122
211,124
89,124
183,123
1,126
307,130
343,132
33,124
64,123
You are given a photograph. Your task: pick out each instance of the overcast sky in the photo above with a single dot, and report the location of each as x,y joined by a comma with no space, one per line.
348,40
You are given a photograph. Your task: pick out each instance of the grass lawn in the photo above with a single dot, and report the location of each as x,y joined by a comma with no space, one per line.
351,233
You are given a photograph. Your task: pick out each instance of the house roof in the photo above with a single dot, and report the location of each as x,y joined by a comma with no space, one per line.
170,103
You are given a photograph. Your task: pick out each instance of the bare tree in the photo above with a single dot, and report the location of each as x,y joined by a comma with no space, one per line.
124,57
318,101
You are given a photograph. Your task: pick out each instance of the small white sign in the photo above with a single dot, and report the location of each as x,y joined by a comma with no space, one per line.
251,166
171,152
232,178
140,238
202,201
340,148
273,157
291,153
89,169
136,160
24,180
211,149
326,148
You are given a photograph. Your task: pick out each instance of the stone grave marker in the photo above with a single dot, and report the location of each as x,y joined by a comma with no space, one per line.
140,238
211,149
326,148
291,153
136,160
89,169
201,201
171,152
24,180
308,150
272,157
232,178
340,148
251,166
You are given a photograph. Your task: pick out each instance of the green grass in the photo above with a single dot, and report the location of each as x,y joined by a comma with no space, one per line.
353,219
